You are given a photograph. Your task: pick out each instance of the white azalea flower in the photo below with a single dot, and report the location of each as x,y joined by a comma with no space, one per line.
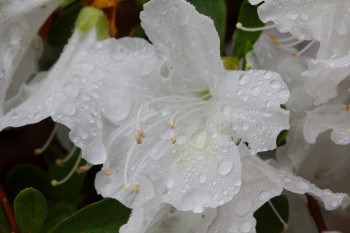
193,163
331,29
266,55
260,183
19,24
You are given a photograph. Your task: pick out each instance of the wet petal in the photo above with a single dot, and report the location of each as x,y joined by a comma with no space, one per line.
328,117
90,88
253,101
186,41
20,21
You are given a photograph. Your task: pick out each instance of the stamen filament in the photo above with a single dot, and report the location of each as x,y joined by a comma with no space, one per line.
257,29
39,151
55,182
285,225
305,48
291,44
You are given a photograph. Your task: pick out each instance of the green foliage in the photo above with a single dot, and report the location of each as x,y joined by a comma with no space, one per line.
249,18
281,137
30,210
267,220
4,225
29,175
104,216
55,214
63,26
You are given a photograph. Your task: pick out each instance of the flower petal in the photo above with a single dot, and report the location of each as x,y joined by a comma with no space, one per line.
328,117
90,88
186,41
19,22
253,101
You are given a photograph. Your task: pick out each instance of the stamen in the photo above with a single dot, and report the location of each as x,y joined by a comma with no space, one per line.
39,151
304,49
346,108
257,29
291,44
55,182
173,139
349,90
136,187
141,133
139,140
286,39
126,188
83,169
334,168
285,225
171,124
127,165
108,172
274,40
60,162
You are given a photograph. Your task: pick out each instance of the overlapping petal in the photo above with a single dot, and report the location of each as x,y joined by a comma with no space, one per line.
19,23
88,90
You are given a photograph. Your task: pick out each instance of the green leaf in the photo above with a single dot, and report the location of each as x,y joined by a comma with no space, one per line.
217,11
63,27
4,225
27,175
248,16
104,216
281,137
267,220
55,214
90,17
30,210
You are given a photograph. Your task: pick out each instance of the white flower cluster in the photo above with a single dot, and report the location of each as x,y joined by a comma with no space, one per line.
177,134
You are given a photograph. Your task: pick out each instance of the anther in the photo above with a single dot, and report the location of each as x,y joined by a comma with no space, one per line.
318,175
348,133
58,162
54,182
136,187
274,40
141,133
293,54
139,140
127,188
171,124
108,172
285,226
346,108
173,139
81,169
349,90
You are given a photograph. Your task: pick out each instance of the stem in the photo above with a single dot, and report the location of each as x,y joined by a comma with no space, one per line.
316,214
8,211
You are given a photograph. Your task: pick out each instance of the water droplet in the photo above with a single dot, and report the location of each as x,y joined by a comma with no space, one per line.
202,178
245,126
256,91
264,195
2,73
275,84
96,153
71,90
283,94
243,207
334,203
165,72
245,227
225,166
286,179
120,53
170,184
244,80
68,109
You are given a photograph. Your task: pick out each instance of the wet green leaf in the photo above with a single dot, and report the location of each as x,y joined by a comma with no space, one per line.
30,210
105,216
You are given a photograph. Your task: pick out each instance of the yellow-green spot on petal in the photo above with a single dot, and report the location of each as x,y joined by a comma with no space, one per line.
90,17
230,63
204,94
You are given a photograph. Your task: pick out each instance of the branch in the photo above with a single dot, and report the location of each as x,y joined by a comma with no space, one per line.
315,213
8,211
